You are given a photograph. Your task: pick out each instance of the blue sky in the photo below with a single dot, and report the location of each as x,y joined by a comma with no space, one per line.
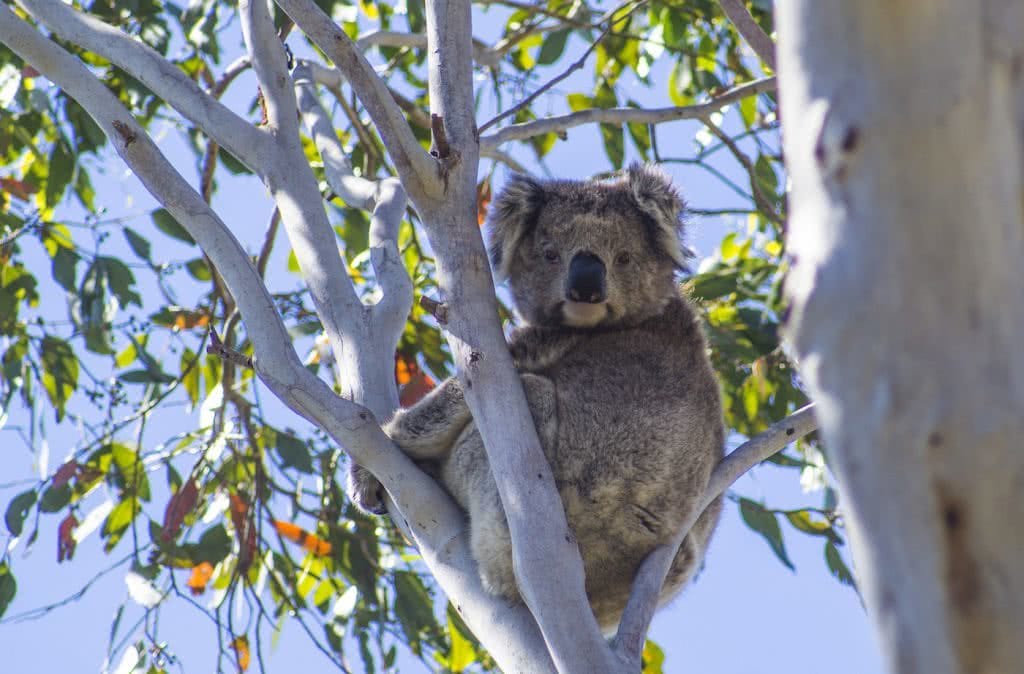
746,613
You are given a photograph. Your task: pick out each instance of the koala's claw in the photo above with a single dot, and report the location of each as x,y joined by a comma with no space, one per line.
365,491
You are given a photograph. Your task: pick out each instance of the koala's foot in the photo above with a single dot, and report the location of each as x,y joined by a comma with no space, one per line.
365,491
491,546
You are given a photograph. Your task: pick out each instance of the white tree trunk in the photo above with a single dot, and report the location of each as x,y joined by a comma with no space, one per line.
903,138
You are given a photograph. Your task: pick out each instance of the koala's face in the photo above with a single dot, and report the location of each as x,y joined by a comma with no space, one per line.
588,253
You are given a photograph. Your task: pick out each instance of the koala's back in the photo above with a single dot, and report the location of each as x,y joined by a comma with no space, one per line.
634,430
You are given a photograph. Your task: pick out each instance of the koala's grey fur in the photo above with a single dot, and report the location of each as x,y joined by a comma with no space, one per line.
622,392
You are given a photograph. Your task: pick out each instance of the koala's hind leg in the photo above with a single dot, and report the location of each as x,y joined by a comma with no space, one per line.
428,429
468,476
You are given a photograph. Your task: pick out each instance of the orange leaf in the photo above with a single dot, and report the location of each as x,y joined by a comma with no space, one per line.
180,505
403,369
413,382
241,646
201,574
297,534
185,320
483,200
65,540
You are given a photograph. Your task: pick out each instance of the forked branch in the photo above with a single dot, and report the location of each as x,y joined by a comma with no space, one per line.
416,168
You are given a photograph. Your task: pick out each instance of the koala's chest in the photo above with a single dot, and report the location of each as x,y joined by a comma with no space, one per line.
614,423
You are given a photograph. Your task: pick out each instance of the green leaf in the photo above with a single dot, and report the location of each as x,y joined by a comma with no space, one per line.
117,522
294,453
414,608
55,498
837,566
60,372
120,280
554,45
8,587
139,245
198,269
765,523
765,175
17,511
679,82
62,167
653,658
130,470
462,654
714,284
802,521
63,268
166,223
213,546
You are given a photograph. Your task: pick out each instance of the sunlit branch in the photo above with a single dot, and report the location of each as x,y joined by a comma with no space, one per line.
416,168
750,30
562,123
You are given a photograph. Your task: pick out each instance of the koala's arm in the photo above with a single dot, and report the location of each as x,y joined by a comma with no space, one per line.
536,349
428,429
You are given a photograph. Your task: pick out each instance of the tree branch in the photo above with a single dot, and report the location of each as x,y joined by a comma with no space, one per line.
441,536
576,65
546,559
482,54
764,204
166,80
747,27
624,115
416,168
643,600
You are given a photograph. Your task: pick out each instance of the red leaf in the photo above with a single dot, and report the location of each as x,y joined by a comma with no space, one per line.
181,504
245,529
65,541
64,474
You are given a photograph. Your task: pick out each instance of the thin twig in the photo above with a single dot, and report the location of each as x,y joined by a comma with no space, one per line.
764,204
568,71
217,348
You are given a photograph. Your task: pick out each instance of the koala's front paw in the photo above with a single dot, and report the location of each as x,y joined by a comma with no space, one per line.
365,491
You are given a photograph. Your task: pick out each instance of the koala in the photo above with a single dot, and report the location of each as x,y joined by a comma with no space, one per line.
614,365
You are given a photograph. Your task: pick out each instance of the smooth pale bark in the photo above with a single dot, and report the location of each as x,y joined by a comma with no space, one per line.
902,128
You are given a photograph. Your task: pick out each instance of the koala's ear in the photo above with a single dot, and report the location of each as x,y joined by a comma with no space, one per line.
658,198
511,216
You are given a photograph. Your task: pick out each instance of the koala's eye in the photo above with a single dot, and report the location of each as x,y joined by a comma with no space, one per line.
551,255
622,258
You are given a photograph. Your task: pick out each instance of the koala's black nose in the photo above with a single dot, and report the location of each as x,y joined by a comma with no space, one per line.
586,281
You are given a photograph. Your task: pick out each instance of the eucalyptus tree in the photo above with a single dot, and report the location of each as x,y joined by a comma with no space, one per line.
367,128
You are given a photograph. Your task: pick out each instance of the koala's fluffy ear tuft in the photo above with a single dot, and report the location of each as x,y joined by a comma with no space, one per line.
658,198
512,215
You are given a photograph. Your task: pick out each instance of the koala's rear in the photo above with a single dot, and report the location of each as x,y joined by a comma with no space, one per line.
615,370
